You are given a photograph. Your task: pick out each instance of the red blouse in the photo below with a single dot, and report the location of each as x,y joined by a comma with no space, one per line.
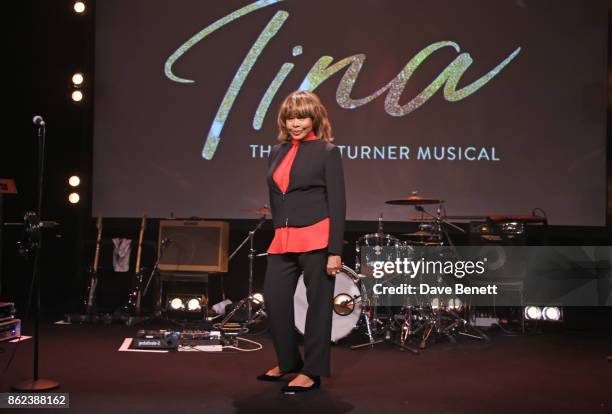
296,239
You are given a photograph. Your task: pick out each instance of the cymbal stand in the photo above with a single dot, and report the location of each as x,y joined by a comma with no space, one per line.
444,321
438,222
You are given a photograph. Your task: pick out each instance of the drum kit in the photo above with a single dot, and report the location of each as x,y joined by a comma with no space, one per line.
416,323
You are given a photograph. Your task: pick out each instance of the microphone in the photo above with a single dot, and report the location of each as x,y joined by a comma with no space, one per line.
38,120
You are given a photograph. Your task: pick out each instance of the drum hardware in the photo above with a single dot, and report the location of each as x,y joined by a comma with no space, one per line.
438,223
433,320
456,325
422,321
386,334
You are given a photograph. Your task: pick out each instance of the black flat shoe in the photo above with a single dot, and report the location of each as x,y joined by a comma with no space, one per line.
293,389
275,378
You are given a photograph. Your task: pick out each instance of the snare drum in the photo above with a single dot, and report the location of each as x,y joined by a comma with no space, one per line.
349,300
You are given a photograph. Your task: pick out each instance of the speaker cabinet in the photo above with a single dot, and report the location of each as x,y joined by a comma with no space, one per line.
195,246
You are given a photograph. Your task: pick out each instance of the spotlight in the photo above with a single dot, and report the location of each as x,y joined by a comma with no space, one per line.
194,304
74,181
533,312
455,304
74,198
79,7
552,313
186,304
258,298
77,96
78,79
177,304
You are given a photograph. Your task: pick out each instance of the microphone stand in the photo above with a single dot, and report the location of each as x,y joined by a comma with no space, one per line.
249,300
165,243
37,384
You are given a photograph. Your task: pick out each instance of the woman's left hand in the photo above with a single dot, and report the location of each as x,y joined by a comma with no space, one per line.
334,264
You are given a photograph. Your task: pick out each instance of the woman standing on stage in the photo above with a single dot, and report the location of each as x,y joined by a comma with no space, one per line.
307,199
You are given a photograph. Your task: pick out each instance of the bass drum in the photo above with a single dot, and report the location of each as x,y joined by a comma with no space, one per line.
349,300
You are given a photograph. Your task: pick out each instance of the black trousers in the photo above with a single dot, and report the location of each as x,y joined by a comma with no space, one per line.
281,280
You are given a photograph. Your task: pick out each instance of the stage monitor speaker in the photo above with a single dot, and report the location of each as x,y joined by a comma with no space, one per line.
195,246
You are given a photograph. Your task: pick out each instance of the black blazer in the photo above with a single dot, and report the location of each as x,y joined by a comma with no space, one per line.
316,189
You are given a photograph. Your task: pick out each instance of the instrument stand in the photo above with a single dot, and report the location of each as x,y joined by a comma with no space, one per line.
439,222
462,327
457,326
249,300
386,337
157,315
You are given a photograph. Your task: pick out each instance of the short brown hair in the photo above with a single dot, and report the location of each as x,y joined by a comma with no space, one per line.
304,104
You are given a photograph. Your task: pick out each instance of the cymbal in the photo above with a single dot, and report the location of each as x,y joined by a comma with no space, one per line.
414,200
261,211
419,233
419,218
425,243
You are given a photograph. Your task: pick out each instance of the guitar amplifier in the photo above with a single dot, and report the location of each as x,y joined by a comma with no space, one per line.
195,245
10,329
7,311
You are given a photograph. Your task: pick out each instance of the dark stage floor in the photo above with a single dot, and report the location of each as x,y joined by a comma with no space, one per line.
525,374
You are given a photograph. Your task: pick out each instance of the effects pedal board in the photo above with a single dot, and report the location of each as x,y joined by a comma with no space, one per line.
156,339
197,340
207,341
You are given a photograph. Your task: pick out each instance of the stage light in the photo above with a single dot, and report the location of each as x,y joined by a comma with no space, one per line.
78,79
177,304
455,304
533,312
552,313
74,198
194,304
77,96
74,181
435,304
79,7
258,298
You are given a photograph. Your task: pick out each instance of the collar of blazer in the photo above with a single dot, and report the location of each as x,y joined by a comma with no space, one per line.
283,150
